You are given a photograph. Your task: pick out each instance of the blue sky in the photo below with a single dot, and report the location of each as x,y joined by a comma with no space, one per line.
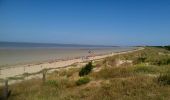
104,22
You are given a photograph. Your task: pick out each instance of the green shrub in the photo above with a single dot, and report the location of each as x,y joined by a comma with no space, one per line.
83,80
86,70
52,83
164,79
60,83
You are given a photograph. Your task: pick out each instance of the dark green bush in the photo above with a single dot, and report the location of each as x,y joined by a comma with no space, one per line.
86,70
164,79
83,80
167,47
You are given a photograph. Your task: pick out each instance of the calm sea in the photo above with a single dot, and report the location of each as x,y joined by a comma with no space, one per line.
19,53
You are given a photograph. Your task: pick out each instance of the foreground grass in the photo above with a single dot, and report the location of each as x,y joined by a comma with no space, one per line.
145,79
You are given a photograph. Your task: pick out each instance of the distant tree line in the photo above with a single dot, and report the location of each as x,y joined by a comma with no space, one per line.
167,47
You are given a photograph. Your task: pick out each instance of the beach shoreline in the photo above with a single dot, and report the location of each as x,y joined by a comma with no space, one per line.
33,55
13,71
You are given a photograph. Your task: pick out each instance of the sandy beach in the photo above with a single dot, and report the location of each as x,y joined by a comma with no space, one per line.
23,55
33,68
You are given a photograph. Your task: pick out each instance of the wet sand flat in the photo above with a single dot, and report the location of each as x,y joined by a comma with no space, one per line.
13,56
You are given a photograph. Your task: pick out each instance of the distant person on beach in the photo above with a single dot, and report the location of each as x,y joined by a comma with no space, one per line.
89,51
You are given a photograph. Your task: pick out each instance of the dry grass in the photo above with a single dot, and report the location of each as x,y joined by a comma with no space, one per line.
127,82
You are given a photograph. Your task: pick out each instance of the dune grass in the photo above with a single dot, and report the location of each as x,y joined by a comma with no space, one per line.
143,80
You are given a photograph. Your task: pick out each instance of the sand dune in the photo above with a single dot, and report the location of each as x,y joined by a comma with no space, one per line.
21,69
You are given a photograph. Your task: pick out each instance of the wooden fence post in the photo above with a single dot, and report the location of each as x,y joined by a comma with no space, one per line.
44,76
24,69
6,91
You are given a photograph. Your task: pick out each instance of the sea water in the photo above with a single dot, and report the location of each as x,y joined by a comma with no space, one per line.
20,53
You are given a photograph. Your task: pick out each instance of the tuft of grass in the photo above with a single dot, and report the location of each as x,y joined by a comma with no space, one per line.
161,61
139,60
164,79
146,69
16,78
72,71
115,72
83,80
132,88
52,83
111,61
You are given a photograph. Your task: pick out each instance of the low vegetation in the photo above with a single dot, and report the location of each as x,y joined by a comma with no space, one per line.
83,80
164,79
86,70
147,78
165,47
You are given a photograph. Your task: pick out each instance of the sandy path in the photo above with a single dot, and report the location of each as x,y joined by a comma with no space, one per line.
21,69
